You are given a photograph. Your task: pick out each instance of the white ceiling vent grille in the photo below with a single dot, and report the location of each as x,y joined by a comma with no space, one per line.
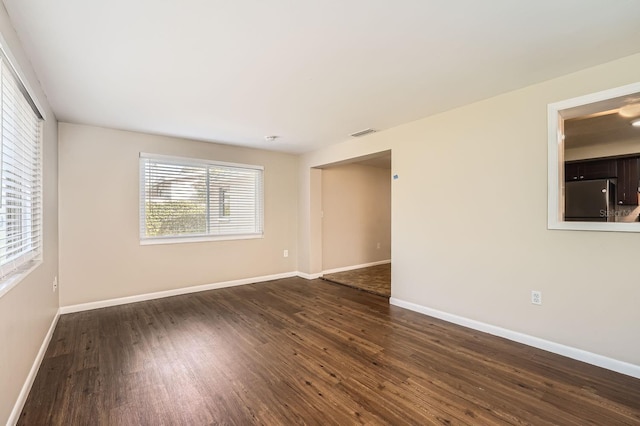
362,132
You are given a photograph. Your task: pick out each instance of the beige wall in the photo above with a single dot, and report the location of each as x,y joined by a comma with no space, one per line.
100,254
453,250
27,310
476,243
356,205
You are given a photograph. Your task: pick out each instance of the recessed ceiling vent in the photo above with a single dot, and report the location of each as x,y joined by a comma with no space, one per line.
362,133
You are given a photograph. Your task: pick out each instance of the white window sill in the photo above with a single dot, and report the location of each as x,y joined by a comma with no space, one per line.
197,239
13,280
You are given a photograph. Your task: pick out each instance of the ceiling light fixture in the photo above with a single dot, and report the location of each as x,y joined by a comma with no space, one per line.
270,138
631,110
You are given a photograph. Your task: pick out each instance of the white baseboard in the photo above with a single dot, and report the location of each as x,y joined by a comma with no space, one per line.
308,276
168,293
26,388
557,348
352,267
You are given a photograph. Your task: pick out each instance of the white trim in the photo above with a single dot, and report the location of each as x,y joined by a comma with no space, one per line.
209,235
352,267
198,239
168,293
591,98
197,161
536,342
309,276
555,162
26,388
15,278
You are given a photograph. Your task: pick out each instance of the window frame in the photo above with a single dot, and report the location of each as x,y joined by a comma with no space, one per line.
31,260
195,162
224,203
557,112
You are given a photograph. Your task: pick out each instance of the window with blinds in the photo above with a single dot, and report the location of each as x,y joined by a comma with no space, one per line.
186,199
20,177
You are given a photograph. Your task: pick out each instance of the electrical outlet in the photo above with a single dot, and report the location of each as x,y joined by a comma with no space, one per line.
285,253
536,297
55,284
378,245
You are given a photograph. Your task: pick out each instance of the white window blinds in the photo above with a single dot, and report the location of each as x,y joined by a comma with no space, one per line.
197,198
20,176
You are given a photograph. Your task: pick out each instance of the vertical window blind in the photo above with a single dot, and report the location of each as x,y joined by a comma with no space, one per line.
182,198
20,176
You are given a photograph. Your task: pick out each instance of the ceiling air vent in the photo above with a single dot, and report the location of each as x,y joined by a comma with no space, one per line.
362,132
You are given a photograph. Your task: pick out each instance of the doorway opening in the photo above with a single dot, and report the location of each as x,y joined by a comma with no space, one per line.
356,223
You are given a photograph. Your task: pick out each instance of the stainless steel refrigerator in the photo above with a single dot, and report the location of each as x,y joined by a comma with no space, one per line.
590,201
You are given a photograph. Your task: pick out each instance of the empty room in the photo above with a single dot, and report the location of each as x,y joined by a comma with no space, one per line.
185,185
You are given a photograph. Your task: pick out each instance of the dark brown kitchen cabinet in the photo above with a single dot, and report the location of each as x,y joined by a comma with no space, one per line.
628,176
596,169
573,171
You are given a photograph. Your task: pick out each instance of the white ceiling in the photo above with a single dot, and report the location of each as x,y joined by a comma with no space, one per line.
309,71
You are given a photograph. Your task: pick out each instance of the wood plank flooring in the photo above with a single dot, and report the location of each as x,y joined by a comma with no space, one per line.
374,279
306,352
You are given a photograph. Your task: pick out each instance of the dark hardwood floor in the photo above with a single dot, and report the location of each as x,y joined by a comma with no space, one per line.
374,279
306,352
